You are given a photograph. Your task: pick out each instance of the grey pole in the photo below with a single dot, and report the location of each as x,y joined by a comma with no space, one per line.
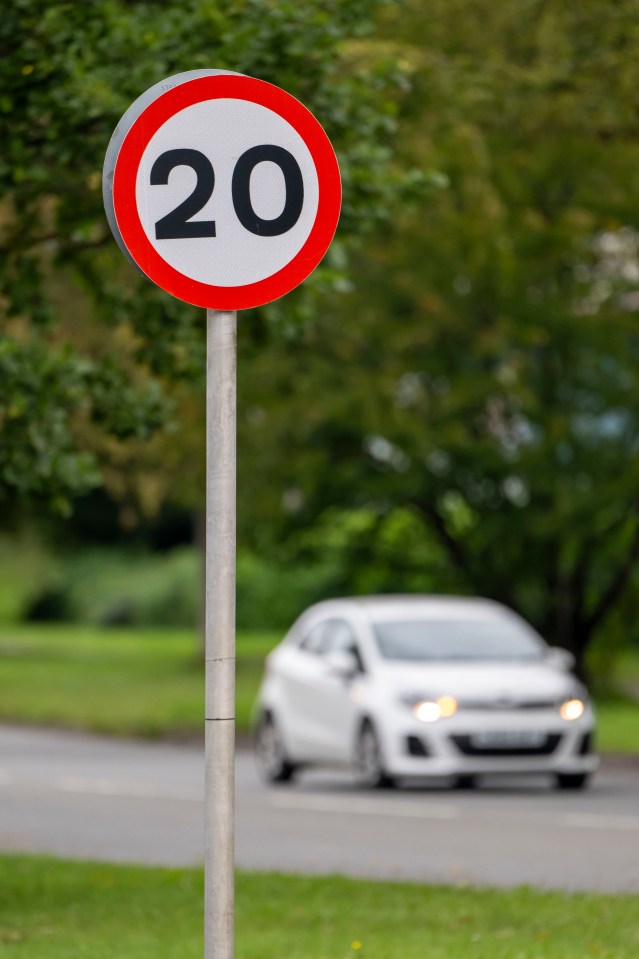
219,854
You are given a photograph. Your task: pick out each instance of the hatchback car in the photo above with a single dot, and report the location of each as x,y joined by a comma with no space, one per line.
417,687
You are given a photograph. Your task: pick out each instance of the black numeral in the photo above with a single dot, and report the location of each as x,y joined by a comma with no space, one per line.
241,188
176,225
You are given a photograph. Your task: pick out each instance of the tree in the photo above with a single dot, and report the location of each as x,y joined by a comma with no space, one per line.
484,374
67,73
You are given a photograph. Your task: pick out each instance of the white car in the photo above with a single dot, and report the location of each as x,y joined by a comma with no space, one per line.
420,686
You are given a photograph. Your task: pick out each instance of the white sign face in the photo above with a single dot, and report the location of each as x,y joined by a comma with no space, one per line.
231,255
226,191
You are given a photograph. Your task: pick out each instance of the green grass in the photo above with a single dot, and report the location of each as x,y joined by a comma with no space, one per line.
627,670
51,909
618,725
150,682
139,682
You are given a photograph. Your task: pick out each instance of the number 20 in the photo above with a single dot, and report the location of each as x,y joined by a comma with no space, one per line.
178,224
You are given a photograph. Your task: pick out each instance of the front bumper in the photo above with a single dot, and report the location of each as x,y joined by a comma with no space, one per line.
451,747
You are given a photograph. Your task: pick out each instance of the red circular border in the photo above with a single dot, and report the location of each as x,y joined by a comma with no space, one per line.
125,205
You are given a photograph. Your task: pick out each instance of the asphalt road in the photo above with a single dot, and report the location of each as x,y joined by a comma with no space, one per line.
79,796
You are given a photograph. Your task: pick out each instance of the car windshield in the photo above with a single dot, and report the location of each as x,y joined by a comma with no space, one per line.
468,640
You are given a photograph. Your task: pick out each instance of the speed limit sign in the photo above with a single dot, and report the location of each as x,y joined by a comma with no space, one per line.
223,189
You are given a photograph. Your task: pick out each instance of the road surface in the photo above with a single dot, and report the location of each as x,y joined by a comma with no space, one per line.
86,797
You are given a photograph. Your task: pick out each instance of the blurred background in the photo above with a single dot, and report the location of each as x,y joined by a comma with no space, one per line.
448,405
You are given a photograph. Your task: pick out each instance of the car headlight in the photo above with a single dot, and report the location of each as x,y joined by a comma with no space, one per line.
572,709
430,710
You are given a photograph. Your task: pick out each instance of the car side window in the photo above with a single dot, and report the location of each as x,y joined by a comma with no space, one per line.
339,636
314,641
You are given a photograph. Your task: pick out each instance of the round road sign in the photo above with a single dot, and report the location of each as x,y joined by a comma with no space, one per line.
223,189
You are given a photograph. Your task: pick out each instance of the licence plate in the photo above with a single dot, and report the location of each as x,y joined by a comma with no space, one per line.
508,739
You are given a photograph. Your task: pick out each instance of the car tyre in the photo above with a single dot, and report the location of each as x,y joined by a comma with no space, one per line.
572,780
369,765
272,761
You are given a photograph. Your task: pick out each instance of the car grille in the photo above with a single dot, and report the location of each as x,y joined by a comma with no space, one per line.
465,745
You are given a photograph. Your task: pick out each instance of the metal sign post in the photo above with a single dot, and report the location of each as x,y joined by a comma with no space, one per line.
219,841
225,191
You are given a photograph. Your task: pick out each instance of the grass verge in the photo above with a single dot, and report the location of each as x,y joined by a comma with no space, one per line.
618,726
135,682
150,682
52,909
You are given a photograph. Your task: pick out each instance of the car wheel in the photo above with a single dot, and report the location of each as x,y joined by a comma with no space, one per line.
572,780
369,767
465,782
272,762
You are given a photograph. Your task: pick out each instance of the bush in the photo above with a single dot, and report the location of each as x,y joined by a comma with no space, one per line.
119,588
109,587
271,595
27,571
50,604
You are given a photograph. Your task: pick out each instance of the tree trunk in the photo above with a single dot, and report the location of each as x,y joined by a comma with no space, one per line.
579,642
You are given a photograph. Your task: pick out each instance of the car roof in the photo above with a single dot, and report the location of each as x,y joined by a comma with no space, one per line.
409,606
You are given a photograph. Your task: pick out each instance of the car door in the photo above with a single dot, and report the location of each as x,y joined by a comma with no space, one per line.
299,671
329,711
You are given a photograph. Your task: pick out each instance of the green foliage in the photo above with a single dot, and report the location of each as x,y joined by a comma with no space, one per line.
271,594
25,564
67,73
483,375
111,587
367,551
465,415
117,588
44,391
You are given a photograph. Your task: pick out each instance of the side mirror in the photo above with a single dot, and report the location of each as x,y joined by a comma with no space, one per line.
560,659
342,663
